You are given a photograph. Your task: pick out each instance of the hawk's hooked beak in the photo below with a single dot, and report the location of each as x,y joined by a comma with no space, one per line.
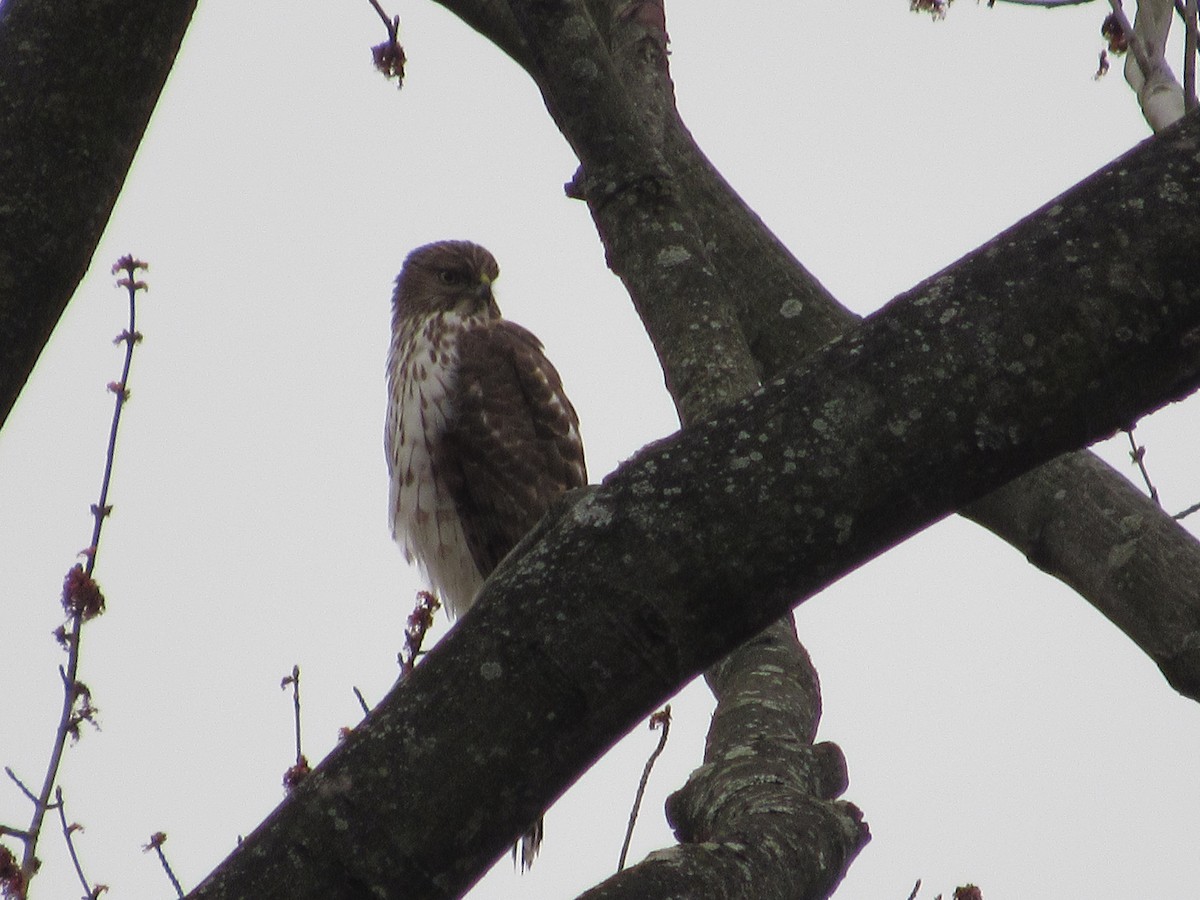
484,298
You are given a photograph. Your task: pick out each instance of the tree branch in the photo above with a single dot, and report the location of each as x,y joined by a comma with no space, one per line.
786,313
785,830
1146,69
660,251
703,540
78,82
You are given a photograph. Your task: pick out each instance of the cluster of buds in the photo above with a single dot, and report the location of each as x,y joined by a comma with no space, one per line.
935,8
420,620
1114,32
81,595
12,879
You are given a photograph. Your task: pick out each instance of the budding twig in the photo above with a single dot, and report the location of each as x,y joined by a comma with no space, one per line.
155,843
297,773
420,620
82,601
68,831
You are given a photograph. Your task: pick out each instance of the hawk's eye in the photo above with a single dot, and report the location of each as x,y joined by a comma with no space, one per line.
451,276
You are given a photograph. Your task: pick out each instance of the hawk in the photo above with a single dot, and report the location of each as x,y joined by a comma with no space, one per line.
480,437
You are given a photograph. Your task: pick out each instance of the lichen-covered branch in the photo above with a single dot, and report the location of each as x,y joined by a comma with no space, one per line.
702,541
760,817
785,313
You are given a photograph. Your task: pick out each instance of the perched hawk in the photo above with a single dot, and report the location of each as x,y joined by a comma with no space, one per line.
480,437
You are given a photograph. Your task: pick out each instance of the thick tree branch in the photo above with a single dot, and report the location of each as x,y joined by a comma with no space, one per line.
786,313
1146,583
78,82
651,241
759,817
659,250
705,539
781,308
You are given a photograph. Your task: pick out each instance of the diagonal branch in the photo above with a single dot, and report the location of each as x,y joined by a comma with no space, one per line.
78,82
785,313
705,539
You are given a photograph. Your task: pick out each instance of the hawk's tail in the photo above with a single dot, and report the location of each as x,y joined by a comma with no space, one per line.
529,844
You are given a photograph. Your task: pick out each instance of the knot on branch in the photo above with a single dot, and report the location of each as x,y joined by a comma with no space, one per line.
601,188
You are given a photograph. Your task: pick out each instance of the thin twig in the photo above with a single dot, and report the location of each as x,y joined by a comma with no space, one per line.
661,718
67,831
294,681
392,25
156,841
80,595
1138,455
362,701
298,772
19,783
1195,507
1181,10
916,887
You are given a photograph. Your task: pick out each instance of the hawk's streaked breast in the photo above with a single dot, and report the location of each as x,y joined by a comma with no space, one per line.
422,369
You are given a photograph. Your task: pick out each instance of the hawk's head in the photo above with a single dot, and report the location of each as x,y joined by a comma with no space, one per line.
449,276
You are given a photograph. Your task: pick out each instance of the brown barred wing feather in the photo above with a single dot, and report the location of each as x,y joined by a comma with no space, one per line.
511,445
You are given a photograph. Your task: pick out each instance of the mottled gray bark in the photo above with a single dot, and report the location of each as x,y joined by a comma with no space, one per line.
1148,582
759,818
78,82
609,90
705,539
670,190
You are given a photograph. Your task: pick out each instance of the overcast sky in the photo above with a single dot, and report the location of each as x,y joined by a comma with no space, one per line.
997,729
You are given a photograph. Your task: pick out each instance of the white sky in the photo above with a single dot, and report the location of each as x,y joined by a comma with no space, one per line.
997,729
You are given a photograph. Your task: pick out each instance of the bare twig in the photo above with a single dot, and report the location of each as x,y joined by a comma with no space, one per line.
362,701
1195,507
662,719
156,841
81,597
1138,455
19,783
294,681
296,773
916,887
68,831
